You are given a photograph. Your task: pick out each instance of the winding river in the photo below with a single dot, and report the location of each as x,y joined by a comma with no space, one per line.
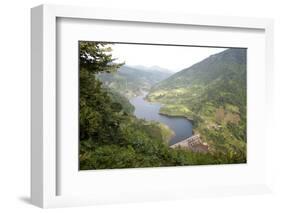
150,111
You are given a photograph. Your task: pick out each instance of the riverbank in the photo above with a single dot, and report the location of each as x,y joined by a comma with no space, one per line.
179,111
151,111
175,115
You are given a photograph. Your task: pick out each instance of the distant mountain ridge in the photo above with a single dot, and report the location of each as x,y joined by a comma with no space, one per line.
153,68
131,81
205,70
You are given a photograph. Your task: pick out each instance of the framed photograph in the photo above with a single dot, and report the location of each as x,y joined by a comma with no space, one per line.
129,106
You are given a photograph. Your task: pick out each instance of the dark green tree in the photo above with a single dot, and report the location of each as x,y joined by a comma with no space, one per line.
99,117
96,57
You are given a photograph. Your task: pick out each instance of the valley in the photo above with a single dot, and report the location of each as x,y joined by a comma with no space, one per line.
205,93
148,116
133,81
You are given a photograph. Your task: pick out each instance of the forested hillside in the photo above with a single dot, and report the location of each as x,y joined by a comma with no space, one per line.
212,93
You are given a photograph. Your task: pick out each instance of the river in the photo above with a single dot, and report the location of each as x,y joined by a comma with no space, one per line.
150,111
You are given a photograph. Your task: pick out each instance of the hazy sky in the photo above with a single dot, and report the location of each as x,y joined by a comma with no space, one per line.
173,58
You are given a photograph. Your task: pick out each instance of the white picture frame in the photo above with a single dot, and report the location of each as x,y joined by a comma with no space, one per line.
44,150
